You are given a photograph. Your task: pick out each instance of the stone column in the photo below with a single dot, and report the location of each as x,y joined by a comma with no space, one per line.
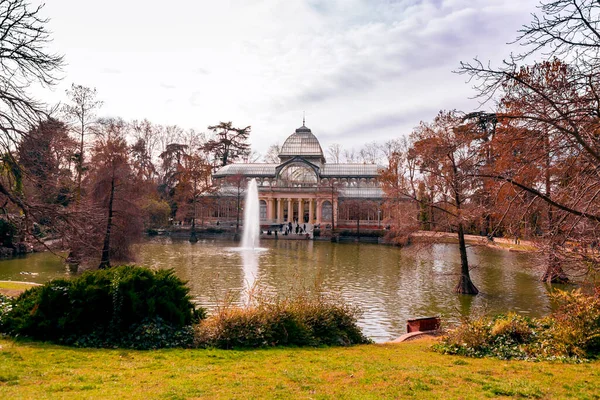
300,211
280,210
319,211
334,211
271,211
290,210
268,203
310,211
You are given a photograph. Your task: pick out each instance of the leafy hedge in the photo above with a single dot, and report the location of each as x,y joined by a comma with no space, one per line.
298,321
571,332
112,307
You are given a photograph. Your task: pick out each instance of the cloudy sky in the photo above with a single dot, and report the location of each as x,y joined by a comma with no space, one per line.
362,70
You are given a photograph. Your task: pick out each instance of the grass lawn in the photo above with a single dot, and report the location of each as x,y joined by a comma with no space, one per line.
31,370
10,288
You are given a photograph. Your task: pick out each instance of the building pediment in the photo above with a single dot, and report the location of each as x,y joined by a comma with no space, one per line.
297,160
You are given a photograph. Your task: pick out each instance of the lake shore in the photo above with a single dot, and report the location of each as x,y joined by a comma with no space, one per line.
525,246
15,288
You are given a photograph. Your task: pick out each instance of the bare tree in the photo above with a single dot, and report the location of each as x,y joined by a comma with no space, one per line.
393,147
23,61
168,135
146,132
334,152
251,157
82,112
350,155
115,192
567,29
370,153
272,155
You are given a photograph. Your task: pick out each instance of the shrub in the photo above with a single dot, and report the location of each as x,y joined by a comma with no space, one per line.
503,336
575,330
298,321
103,307
571,332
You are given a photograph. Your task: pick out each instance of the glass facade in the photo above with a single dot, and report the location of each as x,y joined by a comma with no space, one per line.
326,216
297,175
263,209
303,187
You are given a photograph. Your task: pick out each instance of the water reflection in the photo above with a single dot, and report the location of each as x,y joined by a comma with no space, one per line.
389,284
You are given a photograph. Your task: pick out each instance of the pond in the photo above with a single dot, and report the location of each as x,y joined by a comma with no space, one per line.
389,284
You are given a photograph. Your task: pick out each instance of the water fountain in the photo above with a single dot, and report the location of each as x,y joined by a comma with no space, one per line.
251,235
250,238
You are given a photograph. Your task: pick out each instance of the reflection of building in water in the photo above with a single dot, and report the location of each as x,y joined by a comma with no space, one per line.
302,187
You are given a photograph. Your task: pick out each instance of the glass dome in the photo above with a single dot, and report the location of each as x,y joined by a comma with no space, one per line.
301,143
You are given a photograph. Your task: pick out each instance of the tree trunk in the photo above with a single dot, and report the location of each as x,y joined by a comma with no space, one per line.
105,260
554,272
237,214
465,285
78,199
193,237
431,215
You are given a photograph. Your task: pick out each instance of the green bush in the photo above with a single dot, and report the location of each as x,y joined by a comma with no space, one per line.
299,321
102,307
503,336
571,332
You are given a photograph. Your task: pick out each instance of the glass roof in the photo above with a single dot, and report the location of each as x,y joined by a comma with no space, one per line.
336,170
247,170
327,170
301,143
361,193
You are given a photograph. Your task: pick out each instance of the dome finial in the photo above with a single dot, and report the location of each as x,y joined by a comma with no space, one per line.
303,118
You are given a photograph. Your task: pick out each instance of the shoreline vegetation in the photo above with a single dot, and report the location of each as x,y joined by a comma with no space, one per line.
421,236
377,371
501,243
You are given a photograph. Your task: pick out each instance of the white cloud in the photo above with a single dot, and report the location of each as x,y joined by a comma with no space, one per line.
361,69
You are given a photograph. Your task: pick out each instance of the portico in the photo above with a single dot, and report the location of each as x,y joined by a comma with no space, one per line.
304,208
303,187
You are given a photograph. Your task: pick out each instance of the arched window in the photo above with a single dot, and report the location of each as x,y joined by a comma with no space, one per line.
263,210
326,211
296,175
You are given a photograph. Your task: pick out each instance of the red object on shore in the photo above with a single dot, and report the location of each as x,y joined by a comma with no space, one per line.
422,324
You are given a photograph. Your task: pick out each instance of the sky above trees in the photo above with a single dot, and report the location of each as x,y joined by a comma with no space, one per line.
362,70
